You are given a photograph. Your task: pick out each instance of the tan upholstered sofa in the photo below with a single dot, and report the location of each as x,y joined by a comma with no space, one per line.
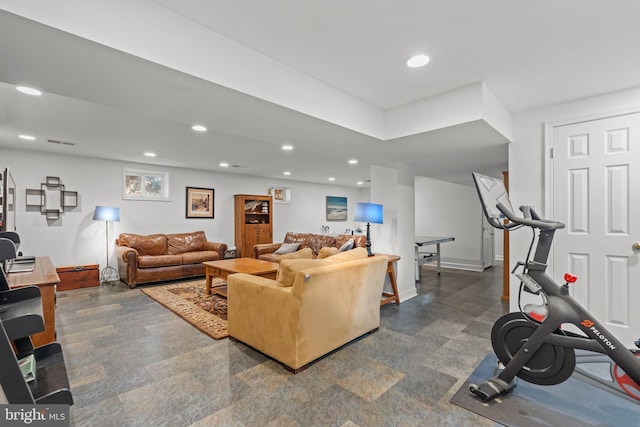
160,257
313,307
266,251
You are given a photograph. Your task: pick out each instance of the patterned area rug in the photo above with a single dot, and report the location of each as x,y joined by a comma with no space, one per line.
187,299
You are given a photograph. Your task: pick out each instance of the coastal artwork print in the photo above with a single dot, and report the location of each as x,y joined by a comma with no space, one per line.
336,208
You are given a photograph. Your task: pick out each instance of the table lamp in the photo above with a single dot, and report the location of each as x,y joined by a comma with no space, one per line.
369,213
107,214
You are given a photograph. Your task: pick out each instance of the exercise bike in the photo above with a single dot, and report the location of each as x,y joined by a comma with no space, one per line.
530,343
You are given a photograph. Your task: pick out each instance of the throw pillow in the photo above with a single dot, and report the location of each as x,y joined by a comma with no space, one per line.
355,253
327,252
287,248
348,245
289,268
305,253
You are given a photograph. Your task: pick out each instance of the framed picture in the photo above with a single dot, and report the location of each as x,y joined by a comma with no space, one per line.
280,194
200,202
336,208
145,185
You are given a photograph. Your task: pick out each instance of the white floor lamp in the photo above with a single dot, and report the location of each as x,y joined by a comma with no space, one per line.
107,214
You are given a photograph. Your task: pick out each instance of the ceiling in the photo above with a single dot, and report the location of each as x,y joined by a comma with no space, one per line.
322,76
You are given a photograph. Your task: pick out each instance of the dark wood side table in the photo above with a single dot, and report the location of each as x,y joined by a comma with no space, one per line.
45,277
388,297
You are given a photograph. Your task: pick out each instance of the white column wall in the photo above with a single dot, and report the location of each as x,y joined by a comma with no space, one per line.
393,187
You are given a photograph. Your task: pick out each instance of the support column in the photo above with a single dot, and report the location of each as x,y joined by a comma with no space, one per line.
394,188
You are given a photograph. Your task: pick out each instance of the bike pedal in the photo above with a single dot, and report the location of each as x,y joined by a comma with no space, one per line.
491,389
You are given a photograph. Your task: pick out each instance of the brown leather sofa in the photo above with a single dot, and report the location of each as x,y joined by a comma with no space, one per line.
266,251
160,257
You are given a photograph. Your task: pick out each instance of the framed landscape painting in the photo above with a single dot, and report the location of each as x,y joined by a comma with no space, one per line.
336,208
200,202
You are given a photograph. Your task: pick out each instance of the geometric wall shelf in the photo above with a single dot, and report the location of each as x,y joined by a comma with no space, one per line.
51,199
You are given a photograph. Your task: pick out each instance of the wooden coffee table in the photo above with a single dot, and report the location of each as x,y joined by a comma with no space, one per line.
225,267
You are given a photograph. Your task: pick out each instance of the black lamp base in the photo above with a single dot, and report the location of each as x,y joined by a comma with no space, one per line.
368,244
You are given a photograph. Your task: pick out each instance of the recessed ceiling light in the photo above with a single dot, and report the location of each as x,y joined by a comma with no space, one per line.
287,147
224,164
353,161
150,154
331,178
418,61
27,137
28,90
286,173
199,128
359,182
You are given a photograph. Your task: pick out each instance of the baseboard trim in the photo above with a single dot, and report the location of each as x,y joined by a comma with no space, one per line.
462,266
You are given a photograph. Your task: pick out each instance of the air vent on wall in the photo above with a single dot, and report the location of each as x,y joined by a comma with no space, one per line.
53,141
239,166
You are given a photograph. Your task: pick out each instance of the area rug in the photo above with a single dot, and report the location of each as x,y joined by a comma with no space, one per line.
208,313
573,403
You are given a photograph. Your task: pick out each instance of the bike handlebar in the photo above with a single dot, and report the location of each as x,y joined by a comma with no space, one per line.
531,219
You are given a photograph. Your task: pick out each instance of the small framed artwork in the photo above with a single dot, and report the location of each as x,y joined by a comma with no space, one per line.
280,194
145,185
336,208
200,202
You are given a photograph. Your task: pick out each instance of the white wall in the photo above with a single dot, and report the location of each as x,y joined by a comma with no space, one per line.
526,157
451,210
76,239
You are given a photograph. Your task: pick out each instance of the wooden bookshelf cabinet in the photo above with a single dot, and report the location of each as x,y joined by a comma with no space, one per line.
253,222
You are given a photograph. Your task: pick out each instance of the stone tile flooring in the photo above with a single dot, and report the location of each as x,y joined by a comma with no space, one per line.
131,362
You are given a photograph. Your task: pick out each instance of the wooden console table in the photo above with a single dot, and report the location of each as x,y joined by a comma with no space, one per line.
392,296
45,277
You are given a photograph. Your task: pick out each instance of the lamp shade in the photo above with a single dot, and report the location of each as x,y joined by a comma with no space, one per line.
106,213
368,212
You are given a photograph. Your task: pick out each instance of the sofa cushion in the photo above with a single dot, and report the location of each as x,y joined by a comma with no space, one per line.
305,253
269,257
289,268
149,261
353,254
153,244
198,257
309,240
327,252
185,242
287,248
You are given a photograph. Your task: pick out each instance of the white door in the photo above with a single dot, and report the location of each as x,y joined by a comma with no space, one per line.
488,245
596,177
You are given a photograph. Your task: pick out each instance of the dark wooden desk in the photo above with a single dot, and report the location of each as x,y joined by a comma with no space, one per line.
45,277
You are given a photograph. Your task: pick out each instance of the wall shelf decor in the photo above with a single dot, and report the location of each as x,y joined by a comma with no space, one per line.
51,199
280,194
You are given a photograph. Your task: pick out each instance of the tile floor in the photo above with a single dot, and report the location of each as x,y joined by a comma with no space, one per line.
131,362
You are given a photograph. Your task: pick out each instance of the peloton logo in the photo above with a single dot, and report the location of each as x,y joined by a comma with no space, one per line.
589,324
